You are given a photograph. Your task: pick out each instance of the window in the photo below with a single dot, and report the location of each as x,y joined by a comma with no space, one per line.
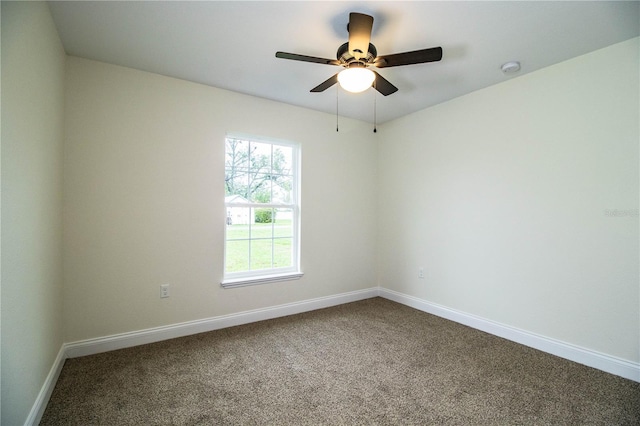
263,210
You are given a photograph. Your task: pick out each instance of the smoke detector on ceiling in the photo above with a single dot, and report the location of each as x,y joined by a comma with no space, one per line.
510,67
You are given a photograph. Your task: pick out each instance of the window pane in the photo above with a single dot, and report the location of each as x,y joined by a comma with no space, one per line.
282,189
260,254
282,252
237,256
236,155
283,225
263,227
260,157
236,184
282,160
260,188
238,216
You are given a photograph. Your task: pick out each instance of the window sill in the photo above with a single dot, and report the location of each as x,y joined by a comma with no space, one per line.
242,282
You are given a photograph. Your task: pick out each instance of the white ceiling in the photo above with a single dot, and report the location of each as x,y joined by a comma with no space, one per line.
232,44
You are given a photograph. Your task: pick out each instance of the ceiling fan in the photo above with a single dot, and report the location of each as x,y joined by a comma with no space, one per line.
358,55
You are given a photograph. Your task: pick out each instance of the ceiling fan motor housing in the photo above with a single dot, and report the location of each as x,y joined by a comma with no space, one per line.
346,58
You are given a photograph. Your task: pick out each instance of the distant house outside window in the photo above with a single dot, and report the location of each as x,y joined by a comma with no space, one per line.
262,211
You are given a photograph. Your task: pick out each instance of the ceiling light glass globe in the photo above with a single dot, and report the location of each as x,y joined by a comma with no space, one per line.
356,79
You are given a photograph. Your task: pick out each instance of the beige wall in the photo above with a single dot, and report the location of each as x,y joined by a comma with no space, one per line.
32,134
504,194
144,200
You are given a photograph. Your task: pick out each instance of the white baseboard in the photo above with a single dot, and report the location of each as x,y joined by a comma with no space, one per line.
151,335
600,361
37,410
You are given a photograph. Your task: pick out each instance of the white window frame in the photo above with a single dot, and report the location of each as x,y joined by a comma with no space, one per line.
262,276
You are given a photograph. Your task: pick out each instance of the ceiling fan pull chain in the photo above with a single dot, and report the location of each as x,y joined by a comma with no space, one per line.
337,90
375,111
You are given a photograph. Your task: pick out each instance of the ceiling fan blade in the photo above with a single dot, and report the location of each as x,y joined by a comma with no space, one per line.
359,34
326,84
433,54
383,85
304,58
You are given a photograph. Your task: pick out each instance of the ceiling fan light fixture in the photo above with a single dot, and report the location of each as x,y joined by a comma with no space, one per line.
356,80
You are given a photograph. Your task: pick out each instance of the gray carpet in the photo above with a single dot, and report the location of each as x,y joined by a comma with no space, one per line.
369,362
